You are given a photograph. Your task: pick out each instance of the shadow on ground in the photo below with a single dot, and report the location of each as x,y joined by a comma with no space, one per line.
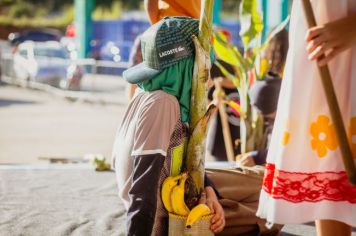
10,102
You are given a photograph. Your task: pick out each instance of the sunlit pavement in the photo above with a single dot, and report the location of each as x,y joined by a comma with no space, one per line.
36,124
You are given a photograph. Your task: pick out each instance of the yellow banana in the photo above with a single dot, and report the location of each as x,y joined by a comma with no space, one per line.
196,213
177,198
167,187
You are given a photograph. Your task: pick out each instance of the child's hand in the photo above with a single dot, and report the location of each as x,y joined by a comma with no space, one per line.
331,39
245,160
218,220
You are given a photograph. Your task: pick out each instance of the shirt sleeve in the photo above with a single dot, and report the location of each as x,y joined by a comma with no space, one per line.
155,126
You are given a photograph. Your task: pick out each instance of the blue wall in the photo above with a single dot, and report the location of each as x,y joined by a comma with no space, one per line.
123,33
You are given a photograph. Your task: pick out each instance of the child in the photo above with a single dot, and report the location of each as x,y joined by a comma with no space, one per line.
305,179
263,97
215,141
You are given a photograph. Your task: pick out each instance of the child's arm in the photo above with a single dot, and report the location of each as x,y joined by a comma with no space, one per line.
218,220
331,38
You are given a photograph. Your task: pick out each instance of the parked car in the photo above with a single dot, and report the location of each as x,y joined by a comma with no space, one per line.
37,35
46,62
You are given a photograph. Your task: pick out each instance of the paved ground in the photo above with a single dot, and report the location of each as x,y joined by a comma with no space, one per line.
36,124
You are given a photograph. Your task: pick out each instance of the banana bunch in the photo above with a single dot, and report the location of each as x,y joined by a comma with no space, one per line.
177,198
196,213
172,194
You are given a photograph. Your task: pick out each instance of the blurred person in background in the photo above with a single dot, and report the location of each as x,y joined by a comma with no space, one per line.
274,56
263,97
264,93
215,139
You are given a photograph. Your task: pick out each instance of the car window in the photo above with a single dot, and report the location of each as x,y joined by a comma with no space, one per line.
51,52
40,36
23,53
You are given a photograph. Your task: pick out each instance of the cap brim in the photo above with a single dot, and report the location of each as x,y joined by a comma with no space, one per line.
139,73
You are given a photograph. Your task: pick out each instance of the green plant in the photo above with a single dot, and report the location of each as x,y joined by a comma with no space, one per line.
103,12
20,10
251,126
40,19
100,163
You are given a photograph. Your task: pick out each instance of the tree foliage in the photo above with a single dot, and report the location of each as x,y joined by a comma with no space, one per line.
126,4
18,12
54,13
55,5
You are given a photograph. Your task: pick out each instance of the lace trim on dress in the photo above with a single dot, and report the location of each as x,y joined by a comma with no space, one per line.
308,187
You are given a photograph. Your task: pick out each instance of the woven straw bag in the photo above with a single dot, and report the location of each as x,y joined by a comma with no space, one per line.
176,226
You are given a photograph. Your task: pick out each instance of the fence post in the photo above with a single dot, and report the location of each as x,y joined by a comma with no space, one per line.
83,25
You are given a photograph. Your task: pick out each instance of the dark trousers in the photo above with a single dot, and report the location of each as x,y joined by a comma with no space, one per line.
143,194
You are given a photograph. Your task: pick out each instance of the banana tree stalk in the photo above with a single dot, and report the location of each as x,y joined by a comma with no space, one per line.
195,161
206,24
199,91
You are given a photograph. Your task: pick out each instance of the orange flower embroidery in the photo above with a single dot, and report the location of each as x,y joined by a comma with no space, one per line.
286,136
352,136
323,136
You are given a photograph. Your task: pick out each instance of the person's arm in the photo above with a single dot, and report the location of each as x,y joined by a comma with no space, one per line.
143,200
331,38
218,220
252,158
151,7
210,197
150,145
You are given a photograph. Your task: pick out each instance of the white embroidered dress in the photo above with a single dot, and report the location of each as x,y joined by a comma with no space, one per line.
305,178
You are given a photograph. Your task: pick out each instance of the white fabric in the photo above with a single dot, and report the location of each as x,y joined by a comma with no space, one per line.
149,152
302,102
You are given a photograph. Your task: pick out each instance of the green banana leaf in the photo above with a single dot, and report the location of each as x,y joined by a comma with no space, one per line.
251,22
251,127
223,49
235,79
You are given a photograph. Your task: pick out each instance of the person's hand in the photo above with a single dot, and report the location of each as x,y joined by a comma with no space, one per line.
331,39
218,220
245,160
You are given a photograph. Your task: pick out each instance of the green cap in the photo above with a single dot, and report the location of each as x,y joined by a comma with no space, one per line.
164,44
